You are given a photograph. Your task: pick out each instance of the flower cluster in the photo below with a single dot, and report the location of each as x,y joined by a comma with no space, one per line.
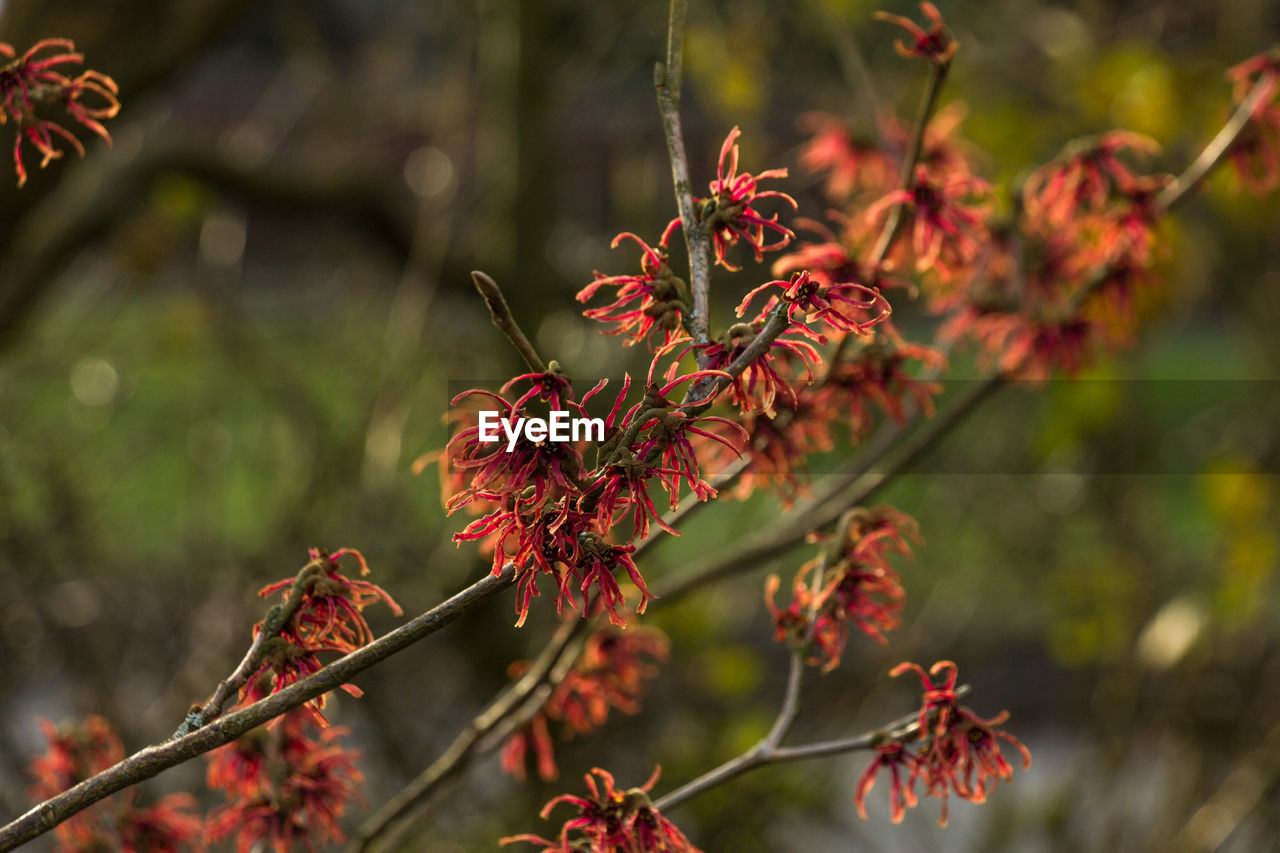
321,610
33,80
78,751
286,784
956,751
611,821
610,674
1089,222
547,515
851,583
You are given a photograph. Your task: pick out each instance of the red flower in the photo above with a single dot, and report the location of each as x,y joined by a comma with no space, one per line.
728,212
858,587
533,735
164,827
877,373
853,163
960,751
903,768
654,299
328,618
947,228
934,45
831,303
1082,179
764,381
609,675
597,566
28,81
1023,346
549,467
286,784
1255,154
77,752
611,821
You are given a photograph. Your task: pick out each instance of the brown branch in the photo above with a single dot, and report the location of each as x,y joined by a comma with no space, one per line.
893,224
763,753
667,79
1217,148
152,760
502,317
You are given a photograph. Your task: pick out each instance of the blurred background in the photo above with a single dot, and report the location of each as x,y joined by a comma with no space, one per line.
225,339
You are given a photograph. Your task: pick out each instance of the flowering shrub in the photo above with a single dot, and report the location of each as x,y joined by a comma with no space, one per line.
811,356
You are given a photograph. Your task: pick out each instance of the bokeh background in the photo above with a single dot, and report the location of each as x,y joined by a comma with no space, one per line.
225,339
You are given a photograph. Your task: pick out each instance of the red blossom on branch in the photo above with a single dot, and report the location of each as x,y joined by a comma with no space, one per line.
78,751
832,304
850,583
611,821
327,616
33,81
728,213
285,785
948,219
960,752
609,675
1082,179
853,163
933,45
1255,155
654,299
903,769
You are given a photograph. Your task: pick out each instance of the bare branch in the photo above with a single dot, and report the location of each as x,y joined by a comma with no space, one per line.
667,79
506,322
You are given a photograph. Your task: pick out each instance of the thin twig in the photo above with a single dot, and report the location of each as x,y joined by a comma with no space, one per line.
906,177
761,754
667,80
1215,150
506,322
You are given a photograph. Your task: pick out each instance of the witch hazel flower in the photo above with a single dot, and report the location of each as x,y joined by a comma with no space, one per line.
1082,179
845,307
850,584
729,214
948,219
286,785
655,299
764,382
33,81
957,751
1255,154
323,611
610,675
884,373
852,163
611,821
932,45
77,751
